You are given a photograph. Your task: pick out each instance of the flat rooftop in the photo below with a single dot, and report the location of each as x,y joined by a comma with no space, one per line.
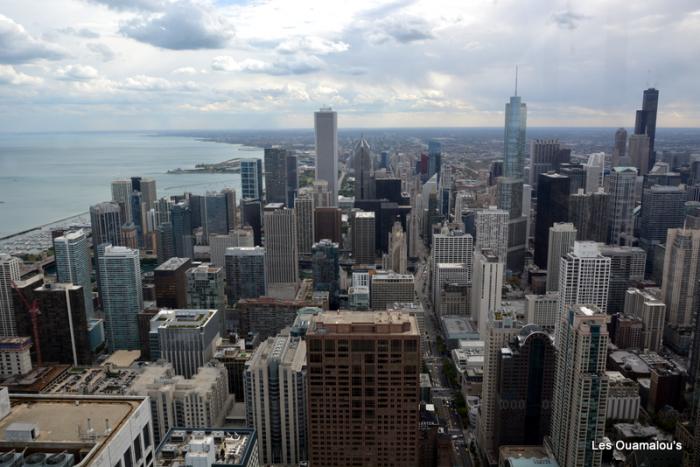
363,322
123,358
233,447
97,380
172,264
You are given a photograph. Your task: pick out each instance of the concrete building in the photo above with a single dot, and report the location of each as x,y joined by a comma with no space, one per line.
281,255
266,316
620,205
218,244
327,224
595,172
170,279
562,236
9,273
275,388
121,194
15,358
382,427
651,311
451,276
105,223
486,287
363,237
304,212
626,270
543,310
491,226
589,214
679,284
245,273
221,447
205,287
389,287
326,129
638,151
623,398
580,388
397,257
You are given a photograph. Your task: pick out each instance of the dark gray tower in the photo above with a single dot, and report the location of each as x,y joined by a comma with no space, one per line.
645,123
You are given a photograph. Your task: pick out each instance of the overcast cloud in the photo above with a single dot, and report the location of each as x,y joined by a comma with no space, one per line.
227,64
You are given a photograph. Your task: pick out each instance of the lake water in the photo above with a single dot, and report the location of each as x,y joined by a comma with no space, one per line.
45,177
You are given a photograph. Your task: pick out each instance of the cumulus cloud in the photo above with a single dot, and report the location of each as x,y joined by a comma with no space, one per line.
401,28
153,83
185,70
8,75
76,73
146,5
290,65
103,50
184,25
311,45
567,19
82,32
18,46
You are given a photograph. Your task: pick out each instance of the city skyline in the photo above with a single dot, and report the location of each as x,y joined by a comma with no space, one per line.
119,65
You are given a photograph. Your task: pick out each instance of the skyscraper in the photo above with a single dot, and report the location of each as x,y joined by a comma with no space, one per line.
181,221
514,137
363,237
304,212
326,128
580,387
663,208
215,212
589,214
170,279
645,122
245,273
620,148
595,171
626,270
562,236
434,158
397,258
326,269
364,175
148,193
545,156
387,288
487,287
639,153
651,311
9,273
72,253
105,223
679,284
121,194
552,206
281,255
328,224
277,182
251,179
491,226
235,238
121,296
251,215
620,206
372,417
205,287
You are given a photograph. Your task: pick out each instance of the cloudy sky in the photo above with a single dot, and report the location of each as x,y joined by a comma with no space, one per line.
227,64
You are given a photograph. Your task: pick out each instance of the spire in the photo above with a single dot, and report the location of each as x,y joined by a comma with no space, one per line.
516,80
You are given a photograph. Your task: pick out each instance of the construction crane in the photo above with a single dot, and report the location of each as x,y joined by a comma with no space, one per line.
34,313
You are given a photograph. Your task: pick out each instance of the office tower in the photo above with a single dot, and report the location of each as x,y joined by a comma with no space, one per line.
363,237
304,212
546,156
364,173
236,238
181,221
147,187
589,214
63,327
389,189
626,270
645,121
275,388
562,236
620,206
326,269
105,223
451,286
663,208
245,273
162,207
215,212
205,287
251,179
502,326
524,388
491,227
552,206
9,273
397,258
121,296
186,338
121,194
543,310
620,148
514,137
584,277
251,215
580,387
327,224
72,254
434,158
170,279
651,311
165,243
576,174
326,129
321,194
372,418
451,247
595,171
280,176
509,192
196,210
487,285
679,285
267,316
387,288
130,236
281,256
292,179
639,153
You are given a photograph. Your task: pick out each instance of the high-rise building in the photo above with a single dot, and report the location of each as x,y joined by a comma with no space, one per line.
165,246
620,148
524,388
275,397
181,221
387,288
364,173
595,172
651,311
514,137
363,237
326,129
326,269
397,258
562,236
543,310
451,286
576,174
487,287
679,284
584,277
72,253
663,208
491,226
205,287
170,279
327,224
620,206
280,176
251,179
245,273
218,244
121,296
9,273
451,247
546,156
645,121
321,194
589,214
304,212
552,206
105,223
281,255
373,417
148,192
626,270
186,338
121,194
639,153
580,387
434,158
251,215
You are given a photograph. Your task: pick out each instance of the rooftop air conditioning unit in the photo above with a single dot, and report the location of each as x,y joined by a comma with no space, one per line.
11,459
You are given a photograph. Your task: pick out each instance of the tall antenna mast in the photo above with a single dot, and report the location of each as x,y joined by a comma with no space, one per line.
516,80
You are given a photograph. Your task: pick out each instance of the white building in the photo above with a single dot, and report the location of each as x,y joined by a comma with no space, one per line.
492,231
486,287
651,311
326,129
595,170
543,310
680,276
562,236
623,398
218,244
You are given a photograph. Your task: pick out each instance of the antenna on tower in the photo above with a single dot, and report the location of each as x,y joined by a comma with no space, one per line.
516,80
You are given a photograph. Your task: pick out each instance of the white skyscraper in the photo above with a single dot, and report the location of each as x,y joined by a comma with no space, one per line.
9,272
281,254
326,127
562,236
451,247
595,168
486,287
620,206
680,276
72,253
492,231
121,193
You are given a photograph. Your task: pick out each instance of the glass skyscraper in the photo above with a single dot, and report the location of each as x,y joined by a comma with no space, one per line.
72,253
251,179
514,139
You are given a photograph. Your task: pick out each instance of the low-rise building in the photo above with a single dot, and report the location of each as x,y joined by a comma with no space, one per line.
218,447
14,356
623,397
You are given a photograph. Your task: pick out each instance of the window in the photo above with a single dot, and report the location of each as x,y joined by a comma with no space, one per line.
128,462
147,436
137,448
